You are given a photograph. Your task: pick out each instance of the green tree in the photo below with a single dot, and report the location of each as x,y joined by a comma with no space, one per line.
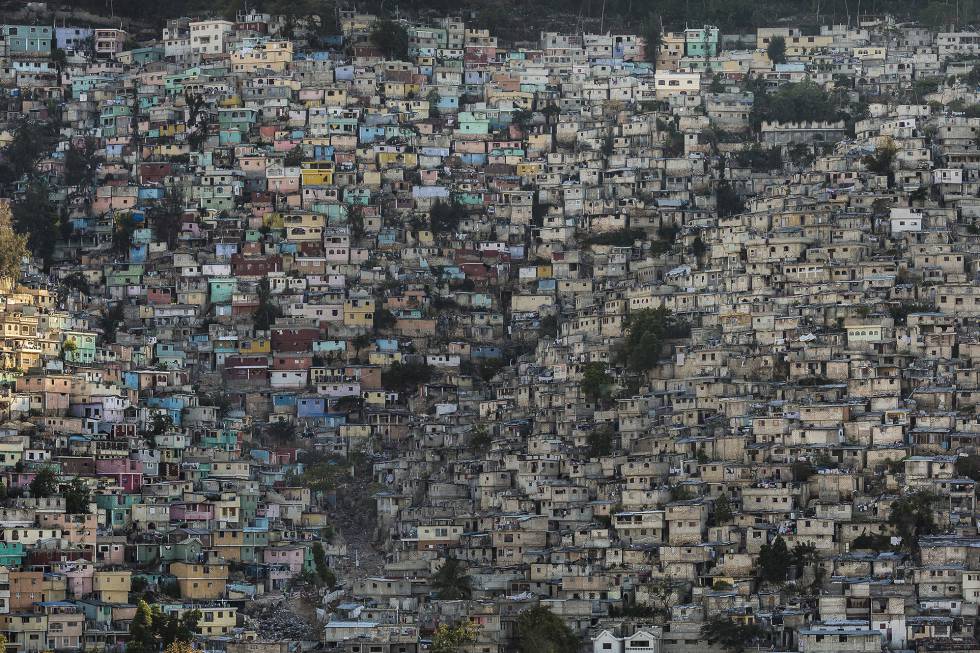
539,630
172,628
723,509
36,215
480,439
59,59
76,493
595,381
882,160
912,516
600,442
773,560
391,38
803,101
728,200
444,217
384,319
968,466
166,216
68,349
650,31
30,143
874,542
320,560
295,157
268,311
44,484
110,320
124,226
453,639
777,50
141,636
402,377
13,246
646,331
732,636
281,431
451,581
82,162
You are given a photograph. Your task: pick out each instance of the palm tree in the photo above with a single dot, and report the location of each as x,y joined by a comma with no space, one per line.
451,581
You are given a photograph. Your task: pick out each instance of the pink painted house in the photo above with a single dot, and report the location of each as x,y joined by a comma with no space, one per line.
128,473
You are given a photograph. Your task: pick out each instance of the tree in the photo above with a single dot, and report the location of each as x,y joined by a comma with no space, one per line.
661,593
401,377
522,118
294,157
68,349
110,320
452,639
732,636
30,143
59,60
76,493
355,221
698,248
35,215
881,161
968,466
320,560
44,484
912,517
124,226
451,581
646,331
283,431
141,636
384,319
728,201
444,217
82,163
13,246
723,509
179,647
167,216
160,423
875,542
803,101
198,120
539,630
600,441
268,311
650,31
391,38
595,381
777,50
805,555
773,560
173,628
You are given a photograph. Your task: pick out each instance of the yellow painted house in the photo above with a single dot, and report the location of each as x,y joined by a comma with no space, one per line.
317,173
359,312
271,55
201,581
255,346
112,586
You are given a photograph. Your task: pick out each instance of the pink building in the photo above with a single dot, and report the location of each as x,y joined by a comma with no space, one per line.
192,511
291,556
128,473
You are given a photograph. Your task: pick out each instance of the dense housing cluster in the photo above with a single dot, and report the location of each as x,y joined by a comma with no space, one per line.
390,338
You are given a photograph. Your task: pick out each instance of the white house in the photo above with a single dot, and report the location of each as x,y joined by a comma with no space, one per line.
645,640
